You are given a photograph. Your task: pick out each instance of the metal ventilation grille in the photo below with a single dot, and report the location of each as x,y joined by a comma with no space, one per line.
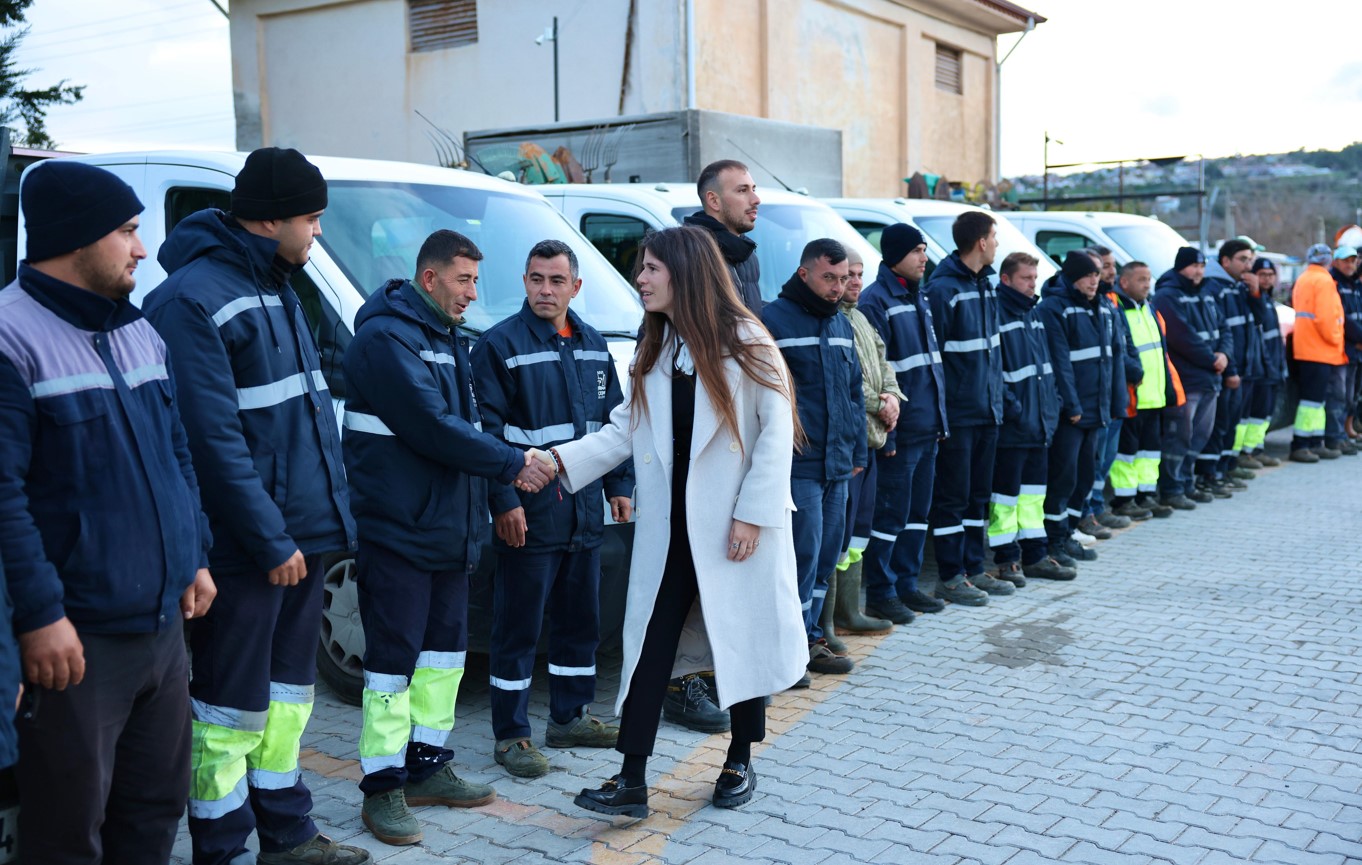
439,24
948,69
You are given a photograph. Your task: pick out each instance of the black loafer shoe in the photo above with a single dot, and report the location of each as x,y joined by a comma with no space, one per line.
736,784
616,799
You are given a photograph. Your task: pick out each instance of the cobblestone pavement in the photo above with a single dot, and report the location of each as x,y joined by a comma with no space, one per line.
1192,698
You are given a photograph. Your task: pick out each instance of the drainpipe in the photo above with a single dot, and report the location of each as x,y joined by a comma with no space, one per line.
690,54
998,101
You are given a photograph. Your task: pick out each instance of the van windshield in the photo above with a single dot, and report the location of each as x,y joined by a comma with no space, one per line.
1010,240
373,231
782,231
1155,243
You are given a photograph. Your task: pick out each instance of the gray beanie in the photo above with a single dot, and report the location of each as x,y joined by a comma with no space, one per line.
1319,253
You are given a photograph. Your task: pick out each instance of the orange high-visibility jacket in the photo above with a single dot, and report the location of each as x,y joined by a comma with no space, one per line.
1318,335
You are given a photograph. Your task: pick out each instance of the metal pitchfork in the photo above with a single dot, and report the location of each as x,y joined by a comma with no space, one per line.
591,151
612,149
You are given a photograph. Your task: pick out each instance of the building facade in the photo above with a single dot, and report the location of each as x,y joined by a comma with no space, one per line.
911,83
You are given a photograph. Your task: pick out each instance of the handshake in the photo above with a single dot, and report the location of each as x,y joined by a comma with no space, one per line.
540,468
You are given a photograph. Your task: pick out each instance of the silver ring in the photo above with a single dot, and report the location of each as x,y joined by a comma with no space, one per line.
733,547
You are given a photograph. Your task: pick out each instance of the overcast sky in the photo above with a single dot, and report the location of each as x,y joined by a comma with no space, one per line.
1111,79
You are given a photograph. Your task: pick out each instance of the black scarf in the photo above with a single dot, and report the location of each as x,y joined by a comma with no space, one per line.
736,248
797,292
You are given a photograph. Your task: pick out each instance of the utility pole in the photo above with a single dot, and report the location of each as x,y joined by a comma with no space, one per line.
550,34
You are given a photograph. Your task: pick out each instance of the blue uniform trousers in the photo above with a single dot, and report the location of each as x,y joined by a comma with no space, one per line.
818,522
1072,463
1186,431
959,516
1106,447
1229,411
527,584
898,529
1016,521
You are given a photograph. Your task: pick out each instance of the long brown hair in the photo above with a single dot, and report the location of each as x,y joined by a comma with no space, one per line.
709,317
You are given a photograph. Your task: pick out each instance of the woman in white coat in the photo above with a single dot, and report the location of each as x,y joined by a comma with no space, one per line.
710,424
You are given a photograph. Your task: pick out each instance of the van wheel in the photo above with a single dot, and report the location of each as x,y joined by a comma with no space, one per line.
340,649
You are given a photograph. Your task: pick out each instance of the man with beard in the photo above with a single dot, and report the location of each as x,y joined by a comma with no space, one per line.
1262,279
1246,361
728,195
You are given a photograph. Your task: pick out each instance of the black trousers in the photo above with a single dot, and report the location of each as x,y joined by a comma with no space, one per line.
643,707
1073,465
104,765
964,484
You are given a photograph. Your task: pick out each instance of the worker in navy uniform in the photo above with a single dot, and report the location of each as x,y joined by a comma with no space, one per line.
546,377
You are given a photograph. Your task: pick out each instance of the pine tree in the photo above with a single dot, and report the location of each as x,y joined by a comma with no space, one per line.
19,103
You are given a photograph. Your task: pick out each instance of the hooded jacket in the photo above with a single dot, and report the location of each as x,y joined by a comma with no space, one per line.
99,504
1030,398
1126,369
1193,327
877,376
1219,286
1270,331
414,449
897,309
537,388
1350,294
1079,332
1319,333
820,350
965,313
739,252
260,420
1247,358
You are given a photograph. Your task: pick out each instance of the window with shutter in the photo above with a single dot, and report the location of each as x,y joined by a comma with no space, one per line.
948,69
439,24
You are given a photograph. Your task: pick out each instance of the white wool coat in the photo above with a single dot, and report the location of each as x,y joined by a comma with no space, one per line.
746,625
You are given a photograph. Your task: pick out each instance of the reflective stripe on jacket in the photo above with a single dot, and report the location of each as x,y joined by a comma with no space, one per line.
1318,335
904,320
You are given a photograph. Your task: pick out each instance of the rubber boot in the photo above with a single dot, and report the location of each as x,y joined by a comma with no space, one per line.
847,616
825,618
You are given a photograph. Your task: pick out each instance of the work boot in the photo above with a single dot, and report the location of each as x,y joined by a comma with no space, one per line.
1231,483
1077,551
583,731
804,682
319,850
1304,455
1325,452
890,609
1113,520
1089,526
1241,473
993,585
446,788
1065,560
961,591
387,816
521,758
1049,569
1266,460
1246,461
1343,446
920,602
1154,507
1201,495
823,660
1133,510
1012,573
825,617
1178,502
847,617
688,703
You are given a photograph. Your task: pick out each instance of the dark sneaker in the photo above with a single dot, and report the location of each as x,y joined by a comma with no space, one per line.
585,732
688,703
1247,461
891,609
1078,552
1057,553
919,602
822,660
736,784
1327,453
961,591
1178,502
1012,572
1267,461
521,758
1049,569
1089,526
992,585
446,788
1304,455
387,816
1132,510
320,850
615,798
1113,520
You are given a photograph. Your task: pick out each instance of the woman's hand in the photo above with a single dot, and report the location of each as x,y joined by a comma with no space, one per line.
743,540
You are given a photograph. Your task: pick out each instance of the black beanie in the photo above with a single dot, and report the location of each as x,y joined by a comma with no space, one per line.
1188,255
1078,265
69,204
897,241
276,184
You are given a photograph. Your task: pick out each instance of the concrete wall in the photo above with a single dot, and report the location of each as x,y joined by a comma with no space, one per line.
335,76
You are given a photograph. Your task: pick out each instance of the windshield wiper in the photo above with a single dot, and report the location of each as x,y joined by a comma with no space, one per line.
621,334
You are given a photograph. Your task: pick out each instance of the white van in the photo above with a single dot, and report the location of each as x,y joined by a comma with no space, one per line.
615,216
871,216
1130,237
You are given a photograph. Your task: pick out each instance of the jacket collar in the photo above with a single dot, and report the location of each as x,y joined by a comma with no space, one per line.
1128,302
795,291
953,265
897,285
736,248
542,329
415,306
1014,301
76,306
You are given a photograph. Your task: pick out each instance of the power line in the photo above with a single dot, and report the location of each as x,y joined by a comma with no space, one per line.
25,59
100,22
162,124
79,109
107,33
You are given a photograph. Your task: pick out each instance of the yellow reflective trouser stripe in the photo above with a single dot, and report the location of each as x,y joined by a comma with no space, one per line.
1125,475
1002,523
217,773
1309,419
1240,434
1254,435
1146,474
433,693
387,727
273,764
1031,515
